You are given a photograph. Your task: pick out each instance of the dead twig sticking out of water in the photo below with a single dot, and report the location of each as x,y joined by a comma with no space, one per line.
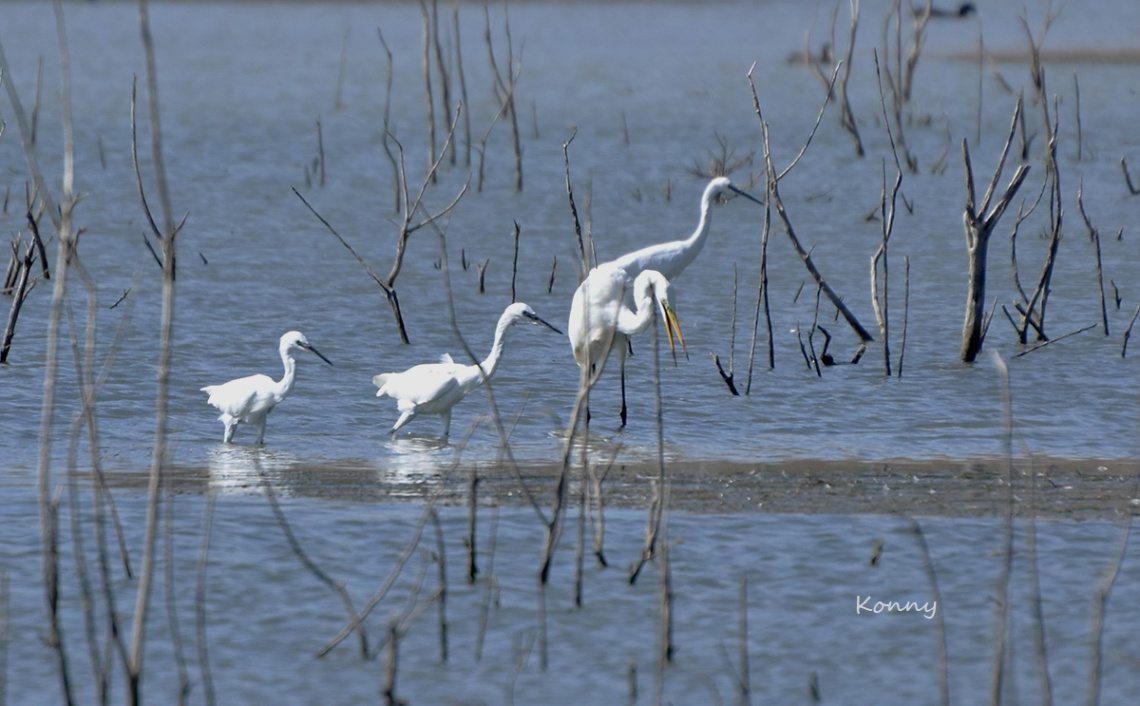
514,263
888,210
36,99
1132,189
1052,340
979,226
1094,236
906,311
727,377
166,240
388,691
408,226
320,166
503,105
773,188
900,81
847,116
462,87
920,20
429,95
1077,111
481,269
387,125
505,86
585,264
1128,332
20,289
441,69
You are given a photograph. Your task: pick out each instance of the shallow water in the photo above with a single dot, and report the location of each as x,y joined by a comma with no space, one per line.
647,90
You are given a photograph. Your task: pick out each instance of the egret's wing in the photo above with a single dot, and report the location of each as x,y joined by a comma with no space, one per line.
445,359
420,385
237,397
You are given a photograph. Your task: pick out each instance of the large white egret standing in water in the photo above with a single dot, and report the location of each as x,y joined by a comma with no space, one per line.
612,287
601,318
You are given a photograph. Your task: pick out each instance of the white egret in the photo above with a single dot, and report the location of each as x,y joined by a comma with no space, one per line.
249,400
619,277
671,258
434,388
608,308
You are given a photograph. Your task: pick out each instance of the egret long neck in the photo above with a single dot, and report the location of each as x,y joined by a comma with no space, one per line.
285,386
632,322
691,247
491,362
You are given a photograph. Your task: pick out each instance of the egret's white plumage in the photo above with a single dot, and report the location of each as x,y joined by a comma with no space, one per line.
249,400
434,388
614,300
671,258
608,307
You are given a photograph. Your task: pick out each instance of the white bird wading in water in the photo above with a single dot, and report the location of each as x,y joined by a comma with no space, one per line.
434,388
249,400
602,292
601,318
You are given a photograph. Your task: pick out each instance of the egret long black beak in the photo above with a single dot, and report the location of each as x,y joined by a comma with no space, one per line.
672,326
314,351
745,194
535,319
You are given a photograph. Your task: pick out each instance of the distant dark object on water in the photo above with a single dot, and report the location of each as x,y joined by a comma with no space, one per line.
825,56
964,10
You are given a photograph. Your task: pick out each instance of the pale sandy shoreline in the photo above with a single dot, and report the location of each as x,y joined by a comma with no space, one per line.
1063,488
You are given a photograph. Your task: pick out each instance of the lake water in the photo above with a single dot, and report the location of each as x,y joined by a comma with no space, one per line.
649,91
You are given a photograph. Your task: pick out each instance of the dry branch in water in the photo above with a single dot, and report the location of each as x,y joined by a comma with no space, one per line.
979,226
505,86
774,191
408,226
1128,178
1094,236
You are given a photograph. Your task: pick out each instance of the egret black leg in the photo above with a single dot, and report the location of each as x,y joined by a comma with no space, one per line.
623,408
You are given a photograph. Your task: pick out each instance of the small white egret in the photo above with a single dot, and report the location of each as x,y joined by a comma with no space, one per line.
608,308
434,388
249,400
671,258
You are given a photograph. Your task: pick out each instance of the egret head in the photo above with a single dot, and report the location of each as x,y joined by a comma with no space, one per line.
296,339
656,285
521,312
721,188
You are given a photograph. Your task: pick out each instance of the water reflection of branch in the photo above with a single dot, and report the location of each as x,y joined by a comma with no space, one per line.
336,586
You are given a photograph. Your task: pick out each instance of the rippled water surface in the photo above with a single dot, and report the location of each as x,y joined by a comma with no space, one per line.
252,93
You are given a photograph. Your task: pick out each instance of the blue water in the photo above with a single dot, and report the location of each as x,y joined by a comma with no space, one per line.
648,91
